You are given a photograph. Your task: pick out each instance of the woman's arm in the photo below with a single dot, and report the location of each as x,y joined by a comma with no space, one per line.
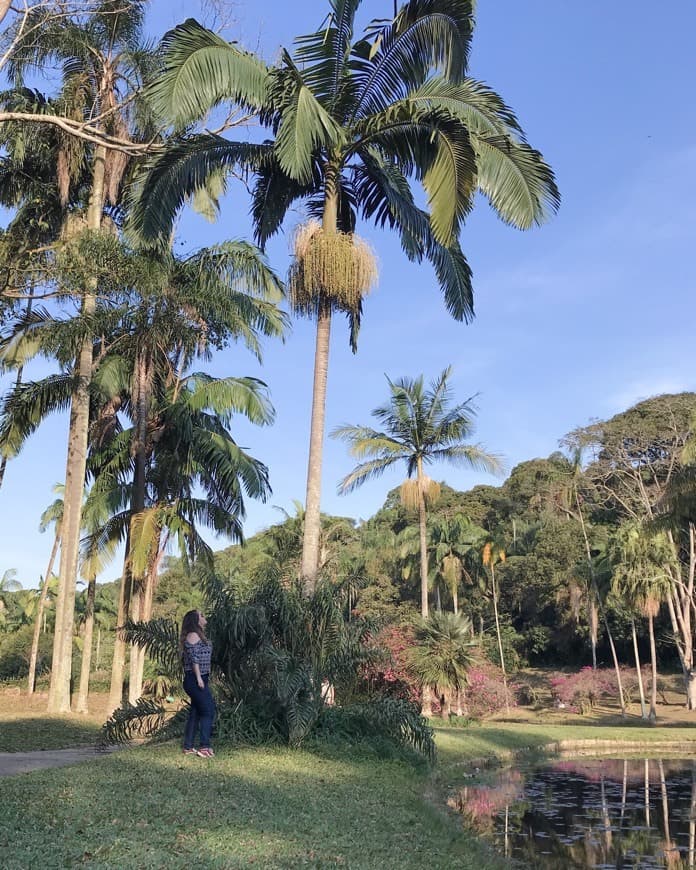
199,678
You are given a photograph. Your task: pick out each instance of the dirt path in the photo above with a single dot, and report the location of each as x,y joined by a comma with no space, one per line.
12,763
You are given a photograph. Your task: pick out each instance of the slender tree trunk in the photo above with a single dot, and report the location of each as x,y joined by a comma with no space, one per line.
681,606
445,704
135,690
643,712
59,691
143,381
426,704
653,664
647,793
82,703
97,664
31,679
312,523
455,601
594,625
617,669
500,639
423,541
118,664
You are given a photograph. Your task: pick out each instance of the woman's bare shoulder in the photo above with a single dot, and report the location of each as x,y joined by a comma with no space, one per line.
192,637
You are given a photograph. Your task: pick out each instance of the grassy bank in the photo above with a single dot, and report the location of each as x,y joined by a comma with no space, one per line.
457,746
273,808
151,807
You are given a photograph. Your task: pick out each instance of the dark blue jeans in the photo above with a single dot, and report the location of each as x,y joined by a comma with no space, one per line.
201,713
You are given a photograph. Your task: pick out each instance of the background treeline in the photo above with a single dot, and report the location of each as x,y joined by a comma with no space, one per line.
555,604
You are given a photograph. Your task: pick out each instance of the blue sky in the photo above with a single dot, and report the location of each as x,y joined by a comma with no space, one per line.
576,320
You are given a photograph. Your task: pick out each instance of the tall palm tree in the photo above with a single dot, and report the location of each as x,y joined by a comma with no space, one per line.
104,62
454,540
52,516
492,554
641,561
354,121
421,426
193,453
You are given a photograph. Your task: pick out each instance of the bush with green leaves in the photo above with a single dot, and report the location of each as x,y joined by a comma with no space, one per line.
273,648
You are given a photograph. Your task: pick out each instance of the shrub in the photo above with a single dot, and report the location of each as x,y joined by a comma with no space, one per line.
273,648
582,691
485,694
389,674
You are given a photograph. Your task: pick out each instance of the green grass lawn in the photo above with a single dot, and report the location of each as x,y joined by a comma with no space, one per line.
274,808
25,726
150,807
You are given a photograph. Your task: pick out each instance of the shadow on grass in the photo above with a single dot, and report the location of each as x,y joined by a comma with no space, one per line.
51,732
272,808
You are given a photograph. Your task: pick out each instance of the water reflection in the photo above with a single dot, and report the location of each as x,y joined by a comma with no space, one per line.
604,813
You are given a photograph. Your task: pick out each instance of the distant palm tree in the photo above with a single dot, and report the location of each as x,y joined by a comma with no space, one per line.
641,578
8,583
420,426
453,541
442,655
354,122
492,554
52,516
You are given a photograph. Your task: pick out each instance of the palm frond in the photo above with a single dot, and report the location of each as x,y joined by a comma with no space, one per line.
169,179
200,70
398,56
305,124
516,179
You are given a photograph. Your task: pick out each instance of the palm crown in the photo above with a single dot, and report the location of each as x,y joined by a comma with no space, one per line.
420,426
354,121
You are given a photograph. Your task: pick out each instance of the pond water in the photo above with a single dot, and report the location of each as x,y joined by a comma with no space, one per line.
588,813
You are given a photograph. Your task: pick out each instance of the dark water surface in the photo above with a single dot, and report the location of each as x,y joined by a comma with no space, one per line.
598,813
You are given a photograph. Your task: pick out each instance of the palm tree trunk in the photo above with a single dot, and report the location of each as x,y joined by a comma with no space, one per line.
500,639
594,625
312,521
423,540
617,669
59,690
146,616
647,793
455,601
33,656
118,664
653,664
134,690
643,713
98,650
82,704
142,380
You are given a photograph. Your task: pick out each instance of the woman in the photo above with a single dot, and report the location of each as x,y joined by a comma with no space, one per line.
196,650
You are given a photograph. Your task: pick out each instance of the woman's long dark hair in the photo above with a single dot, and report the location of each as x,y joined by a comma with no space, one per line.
191,623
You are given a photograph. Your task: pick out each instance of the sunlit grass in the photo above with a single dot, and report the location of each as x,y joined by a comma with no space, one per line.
151,807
